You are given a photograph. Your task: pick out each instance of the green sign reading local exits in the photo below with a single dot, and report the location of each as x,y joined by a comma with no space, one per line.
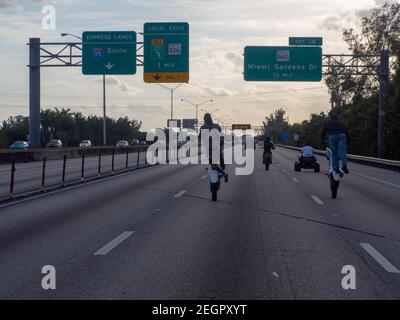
305,41
283,64
109,52
166,52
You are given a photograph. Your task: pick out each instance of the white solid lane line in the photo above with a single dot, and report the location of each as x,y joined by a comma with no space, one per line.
113,244
379,258
317,200
180,194
377,180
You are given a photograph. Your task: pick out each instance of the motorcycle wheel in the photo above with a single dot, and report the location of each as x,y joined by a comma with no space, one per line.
214,192
334,187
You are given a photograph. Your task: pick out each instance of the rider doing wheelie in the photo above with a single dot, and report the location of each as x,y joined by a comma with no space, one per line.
338,137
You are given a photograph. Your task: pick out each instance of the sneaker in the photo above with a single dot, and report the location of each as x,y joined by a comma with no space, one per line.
339,172
345,170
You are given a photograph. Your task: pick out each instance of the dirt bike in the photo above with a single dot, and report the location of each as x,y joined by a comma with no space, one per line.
214,176
334,177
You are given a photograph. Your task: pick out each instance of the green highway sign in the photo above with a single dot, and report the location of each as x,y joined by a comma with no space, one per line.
282,63
109,52
166,52
305,41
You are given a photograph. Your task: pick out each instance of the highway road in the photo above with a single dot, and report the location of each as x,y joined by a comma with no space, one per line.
28,175
155,234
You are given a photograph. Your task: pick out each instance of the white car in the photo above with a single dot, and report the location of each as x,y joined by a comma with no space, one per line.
85,144
122,144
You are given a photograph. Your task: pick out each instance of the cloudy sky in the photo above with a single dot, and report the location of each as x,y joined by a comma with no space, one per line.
219,31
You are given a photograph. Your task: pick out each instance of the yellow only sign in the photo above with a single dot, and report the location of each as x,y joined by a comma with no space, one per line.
166,77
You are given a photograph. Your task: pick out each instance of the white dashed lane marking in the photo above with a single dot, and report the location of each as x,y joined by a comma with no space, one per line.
180,194
113,244
379,258
317,200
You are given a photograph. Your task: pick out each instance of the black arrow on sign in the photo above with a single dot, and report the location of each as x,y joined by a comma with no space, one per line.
157,77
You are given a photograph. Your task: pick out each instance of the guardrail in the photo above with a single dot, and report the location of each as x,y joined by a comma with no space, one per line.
29,155
75,153
369,161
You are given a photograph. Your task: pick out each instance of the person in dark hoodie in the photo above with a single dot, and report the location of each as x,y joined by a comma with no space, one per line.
338,137
210,125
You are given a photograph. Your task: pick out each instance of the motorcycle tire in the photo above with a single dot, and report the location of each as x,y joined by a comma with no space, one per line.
214,192
334,187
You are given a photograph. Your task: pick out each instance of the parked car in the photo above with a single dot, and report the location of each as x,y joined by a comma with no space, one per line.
54,144
85,144
122,144
135,141
19,145
143,143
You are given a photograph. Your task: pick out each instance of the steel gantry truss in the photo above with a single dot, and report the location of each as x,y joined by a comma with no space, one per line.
61,54
69,54
336,65
350,64
53,55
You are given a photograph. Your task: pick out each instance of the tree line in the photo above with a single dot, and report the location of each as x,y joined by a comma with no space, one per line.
356,98
70,127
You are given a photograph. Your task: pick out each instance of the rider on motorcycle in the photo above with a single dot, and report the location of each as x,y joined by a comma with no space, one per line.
307,152
210,125
338,137
268,147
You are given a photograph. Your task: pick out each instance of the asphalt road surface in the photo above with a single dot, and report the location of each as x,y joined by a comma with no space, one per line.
155,234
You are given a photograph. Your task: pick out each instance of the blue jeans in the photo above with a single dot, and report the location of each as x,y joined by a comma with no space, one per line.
338,146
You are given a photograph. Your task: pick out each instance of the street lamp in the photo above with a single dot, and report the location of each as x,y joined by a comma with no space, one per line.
70,34
197,109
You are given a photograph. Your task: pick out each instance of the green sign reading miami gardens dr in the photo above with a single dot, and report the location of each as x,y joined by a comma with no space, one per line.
282,63
109,52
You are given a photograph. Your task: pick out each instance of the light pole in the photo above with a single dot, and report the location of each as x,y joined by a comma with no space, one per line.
197,105
104,95
171,90
70,34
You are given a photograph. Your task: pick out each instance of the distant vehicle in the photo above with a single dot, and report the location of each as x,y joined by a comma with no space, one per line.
85,144
135,141
122,144
143,143
54,144
19,145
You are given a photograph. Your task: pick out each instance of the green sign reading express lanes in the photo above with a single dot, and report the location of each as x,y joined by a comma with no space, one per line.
166,52
283,64
109,52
